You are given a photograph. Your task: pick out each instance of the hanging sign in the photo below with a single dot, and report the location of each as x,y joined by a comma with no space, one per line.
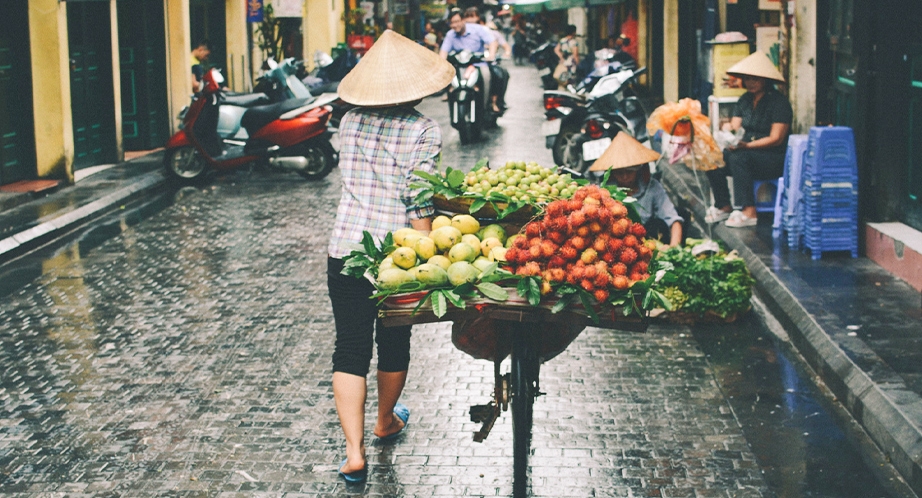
254,10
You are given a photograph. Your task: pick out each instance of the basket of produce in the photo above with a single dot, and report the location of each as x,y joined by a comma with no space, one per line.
707,284
583,261
513,193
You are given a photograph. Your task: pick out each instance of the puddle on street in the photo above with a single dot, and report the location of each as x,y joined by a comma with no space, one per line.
70,248
786,419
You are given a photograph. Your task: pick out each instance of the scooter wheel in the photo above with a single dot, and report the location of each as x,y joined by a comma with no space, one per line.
185,166
321,159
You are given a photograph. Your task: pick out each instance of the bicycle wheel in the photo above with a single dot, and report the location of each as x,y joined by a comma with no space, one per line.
525,367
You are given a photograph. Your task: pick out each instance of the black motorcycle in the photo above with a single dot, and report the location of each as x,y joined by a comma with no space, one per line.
468,105
614,105
546,61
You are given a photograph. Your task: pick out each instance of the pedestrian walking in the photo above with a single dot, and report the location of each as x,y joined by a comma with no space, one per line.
383,140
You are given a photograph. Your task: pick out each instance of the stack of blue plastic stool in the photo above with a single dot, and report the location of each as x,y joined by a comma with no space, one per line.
789,216
830,191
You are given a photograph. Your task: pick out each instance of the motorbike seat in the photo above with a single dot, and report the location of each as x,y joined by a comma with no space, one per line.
245,99
259,116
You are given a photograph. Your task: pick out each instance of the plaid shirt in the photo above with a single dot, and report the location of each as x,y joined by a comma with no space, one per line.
380,150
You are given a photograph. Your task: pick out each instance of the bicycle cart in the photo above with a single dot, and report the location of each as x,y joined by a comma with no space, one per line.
492,331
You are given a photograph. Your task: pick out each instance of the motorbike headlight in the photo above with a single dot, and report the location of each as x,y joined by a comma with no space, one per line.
472,79
464,57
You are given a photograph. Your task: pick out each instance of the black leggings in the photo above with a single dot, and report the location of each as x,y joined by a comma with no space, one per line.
356,322
746,166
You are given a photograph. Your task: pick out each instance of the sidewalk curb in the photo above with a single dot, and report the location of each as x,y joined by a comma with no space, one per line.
31,238
878,408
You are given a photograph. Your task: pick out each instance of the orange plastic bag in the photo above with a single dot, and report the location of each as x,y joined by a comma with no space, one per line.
687,134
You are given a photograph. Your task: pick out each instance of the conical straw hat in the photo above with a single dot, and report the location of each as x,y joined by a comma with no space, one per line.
624,152
757,64
395,70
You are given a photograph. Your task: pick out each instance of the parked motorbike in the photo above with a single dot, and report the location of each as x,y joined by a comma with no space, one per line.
468,105
614,105
558,104
546,61
290,135
280,82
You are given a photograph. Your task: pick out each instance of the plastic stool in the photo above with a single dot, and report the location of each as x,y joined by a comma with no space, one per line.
769,199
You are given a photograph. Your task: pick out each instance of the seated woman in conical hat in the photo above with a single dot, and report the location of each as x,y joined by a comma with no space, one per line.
766,115
382,141
629,161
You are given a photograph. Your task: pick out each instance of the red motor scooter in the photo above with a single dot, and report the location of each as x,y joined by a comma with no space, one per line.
291,135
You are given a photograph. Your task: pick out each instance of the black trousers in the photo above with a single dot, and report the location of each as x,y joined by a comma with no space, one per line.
358,326
746,166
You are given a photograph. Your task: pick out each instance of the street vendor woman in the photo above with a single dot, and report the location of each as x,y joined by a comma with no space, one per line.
383,141
629,161
765,114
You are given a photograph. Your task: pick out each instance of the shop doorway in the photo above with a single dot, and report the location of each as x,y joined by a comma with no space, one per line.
90,40
142,56
17,143
208,22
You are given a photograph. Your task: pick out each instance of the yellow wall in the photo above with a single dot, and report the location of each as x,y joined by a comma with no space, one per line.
238,65
54,137
643,39
671,50
178,69
323,27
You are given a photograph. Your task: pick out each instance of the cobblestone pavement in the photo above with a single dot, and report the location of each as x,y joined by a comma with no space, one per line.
190,356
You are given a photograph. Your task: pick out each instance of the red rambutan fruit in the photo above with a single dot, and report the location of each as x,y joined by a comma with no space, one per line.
521,243
548,248
557,275
590,209
556,261
533,229
556,237
590,272
619,269
620,226
638,230
602,280
568,252
589,256
628,255
630,241
639,267
636,277
574,205
555,209
578,242
583,231
586,284
615,244
600,295
532,269
644,253
609,257
619,210
534,252
600,244
577,218
595,227
620,282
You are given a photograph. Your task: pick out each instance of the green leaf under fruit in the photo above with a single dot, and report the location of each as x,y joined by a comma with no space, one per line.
493,291
455,178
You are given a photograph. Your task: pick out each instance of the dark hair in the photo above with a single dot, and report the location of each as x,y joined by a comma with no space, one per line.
571,30
455,12
471,12
201,43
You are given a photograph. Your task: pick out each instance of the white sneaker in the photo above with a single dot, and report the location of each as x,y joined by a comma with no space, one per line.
714,215
739,220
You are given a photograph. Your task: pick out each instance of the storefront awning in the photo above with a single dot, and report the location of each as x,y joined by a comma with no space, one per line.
527,6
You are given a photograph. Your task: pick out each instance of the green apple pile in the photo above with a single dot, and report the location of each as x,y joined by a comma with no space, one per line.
520,181
455,252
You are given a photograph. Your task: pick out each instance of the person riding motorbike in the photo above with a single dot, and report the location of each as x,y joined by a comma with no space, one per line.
475,38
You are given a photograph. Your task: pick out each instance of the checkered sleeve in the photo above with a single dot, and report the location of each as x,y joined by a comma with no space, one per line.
424,156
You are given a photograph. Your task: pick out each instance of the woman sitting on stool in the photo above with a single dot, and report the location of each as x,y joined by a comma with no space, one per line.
765,114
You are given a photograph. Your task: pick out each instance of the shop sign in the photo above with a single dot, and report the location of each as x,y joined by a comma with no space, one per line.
254,10
401,7
287,8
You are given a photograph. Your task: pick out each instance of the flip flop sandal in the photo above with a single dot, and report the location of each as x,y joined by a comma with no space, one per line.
403,413
353,477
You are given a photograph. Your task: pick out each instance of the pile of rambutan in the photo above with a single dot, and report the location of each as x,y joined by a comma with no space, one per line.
587,241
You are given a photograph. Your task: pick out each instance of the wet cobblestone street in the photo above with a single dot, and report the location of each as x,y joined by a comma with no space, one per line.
183,347
191,356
